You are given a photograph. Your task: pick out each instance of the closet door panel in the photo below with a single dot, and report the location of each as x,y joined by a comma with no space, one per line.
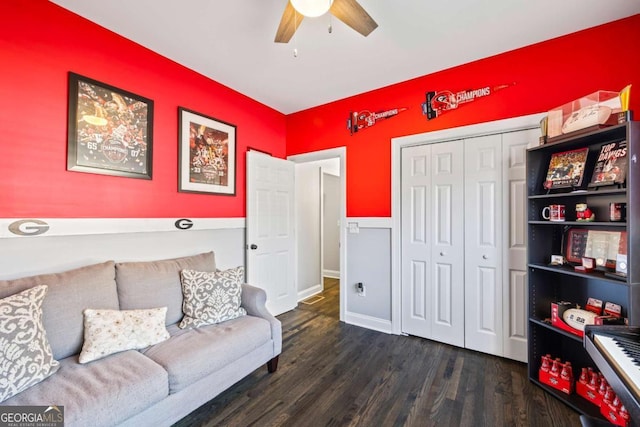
464,242
416,244
514,145
483,240
447,242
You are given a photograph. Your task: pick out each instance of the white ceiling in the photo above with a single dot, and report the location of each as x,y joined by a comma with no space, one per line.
231,41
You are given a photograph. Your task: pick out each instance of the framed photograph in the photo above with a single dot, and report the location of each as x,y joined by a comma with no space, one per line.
566,169
207,154
110,131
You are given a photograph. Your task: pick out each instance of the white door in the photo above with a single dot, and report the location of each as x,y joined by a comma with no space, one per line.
492,263
416,248
433,242
447,242
483,244
514,146
270,238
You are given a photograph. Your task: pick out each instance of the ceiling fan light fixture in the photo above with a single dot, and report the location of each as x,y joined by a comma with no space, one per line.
312,8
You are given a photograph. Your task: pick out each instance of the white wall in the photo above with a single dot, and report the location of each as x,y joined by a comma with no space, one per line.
27,256
369,262
331,166
331,225
338,157
308,229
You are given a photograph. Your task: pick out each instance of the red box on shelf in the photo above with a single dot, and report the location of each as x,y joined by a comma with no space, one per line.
565,386
556,374
612,414
589,393
557,309
595,305
557,318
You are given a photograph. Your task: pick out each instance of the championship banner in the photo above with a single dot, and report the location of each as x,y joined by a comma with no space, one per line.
364,119
440,102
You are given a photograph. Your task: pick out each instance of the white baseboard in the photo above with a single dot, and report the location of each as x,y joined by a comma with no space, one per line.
310,292
368,322
333,274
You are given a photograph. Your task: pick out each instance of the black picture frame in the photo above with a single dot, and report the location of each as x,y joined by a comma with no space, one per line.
207,154
611,165
110,130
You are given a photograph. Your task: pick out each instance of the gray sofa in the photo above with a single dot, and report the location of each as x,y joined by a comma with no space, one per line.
158,385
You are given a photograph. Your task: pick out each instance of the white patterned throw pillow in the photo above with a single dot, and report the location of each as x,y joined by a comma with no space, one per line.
25,353
111,331
211,297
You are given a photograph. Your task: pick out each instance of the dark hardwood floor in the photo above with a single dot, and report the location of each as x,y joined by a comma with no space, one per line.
333,374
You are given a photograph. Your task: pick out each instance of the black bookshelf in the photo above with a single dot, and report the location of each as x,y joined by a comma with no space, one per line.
552,283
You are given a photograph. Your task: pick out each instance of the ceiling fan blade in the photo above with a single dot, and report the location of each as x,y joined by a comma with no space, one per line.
351,13
288,24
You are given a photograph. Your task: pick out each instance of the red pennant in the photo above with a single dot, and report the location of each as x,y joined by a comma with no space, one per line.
365,119
443,101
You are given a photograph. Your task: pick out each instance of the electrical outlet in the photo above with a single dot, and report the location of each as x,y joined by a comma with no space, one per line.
360,289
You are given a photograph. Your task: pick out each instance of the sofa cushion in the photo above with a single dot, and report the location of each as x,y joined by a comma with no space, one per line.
69,293
104,393
111,331
191,354
211,297
146,284
25,354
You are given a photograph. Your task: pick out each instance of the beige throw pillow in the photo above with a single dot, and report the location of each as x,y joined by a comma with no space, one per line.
25,353
112,331
211,297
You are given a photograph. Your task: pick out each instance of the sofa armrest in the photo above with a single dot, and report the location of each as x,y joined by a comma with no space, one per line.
254,301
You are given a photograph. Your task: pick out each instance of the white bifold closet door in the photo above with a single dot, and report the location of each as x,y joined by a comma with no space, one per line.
463,242
433,242
483,243
514,234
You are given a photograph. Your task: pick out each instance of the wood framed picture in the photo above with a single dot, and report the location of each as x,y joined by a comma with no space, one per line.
110,130
566,169
207,154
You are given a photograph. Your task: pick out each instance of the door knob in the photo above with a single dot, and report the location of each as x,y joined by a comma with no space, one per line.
442,254
485,257
253,246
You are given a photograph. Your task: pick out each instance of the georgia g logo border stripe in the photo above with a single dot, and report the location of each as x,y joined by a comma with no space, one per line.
28,227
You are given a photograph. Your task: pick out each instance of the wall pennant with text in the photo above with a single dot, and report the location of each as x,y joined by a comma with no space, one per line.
442,101
359,120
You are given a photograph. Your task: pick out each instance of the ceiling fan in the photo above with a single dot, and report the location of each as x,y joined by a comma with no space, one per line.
348,11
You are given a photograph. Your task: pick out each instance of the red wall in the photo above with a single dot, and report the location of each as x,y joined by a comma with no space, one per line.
547,75
39,44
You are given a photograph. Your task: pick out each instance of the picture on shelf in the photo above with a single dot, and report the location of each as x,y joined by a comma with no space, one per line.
603,246
611,166
566,169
